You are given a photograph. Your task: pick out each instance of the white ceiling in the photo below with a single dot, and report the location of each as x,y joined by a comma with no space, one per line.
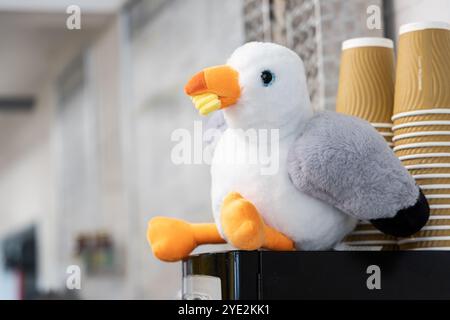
86,6
30,36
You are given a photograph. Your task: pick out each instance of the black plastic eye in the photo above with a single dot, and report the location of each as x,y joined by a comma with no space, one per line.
267,77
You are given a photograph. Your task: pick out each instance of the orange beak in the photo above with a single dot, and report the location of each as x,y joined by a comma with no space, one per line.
214,88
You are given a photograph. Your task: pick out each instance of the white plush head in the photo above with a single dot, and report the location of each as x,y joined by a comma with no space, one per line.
263,85
274,104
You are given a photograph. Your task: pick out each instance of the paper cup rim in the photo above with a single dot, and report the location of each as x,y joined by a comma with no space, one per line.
416,145
417,26
437,196
367,42
439,186
421,124
431,176
421,112
425,166
420,134
382,125
430,155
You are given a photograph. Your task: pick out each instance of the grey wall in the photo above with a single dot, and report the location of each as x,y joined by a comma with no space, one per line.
183,38
341,20
400,12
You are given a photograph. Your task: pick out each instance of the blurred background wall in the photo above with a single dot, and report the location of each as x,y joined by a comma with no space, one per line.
86,118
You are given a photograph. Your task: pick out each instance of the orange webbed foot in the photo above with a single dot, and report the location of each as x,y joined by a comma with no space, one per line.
241,222
245,228
174,239
170,239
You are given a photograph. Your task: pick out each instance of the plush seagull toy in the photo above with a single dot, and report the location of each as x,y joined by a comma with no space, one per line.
333,169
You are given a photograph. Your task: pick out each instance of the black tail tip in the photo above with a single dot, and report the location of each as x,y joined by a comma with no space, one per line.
407,221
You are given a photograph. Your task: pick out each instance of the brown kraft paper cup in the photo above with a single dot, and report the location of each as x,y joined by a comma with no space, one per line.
366,81
432,181
420,150
371,238
436,170
432,160
422,138
424,117
435,191
423,67
434,200
434,186
412,129
436,234
366,90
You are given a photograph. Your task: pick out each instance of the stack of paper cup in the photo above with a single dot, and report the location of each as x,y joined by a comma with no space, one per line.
366,90
422,124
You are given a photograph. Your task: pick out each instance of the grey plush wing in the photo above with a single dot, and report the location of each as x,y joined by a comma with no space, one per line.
345,162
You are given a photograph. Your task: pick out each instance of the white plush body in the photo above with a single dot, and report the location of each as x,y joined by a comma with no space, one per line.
311,223
283,105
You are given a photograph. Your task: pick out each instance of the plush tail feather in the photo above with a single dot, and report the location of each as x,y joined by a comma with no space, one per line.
407,221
